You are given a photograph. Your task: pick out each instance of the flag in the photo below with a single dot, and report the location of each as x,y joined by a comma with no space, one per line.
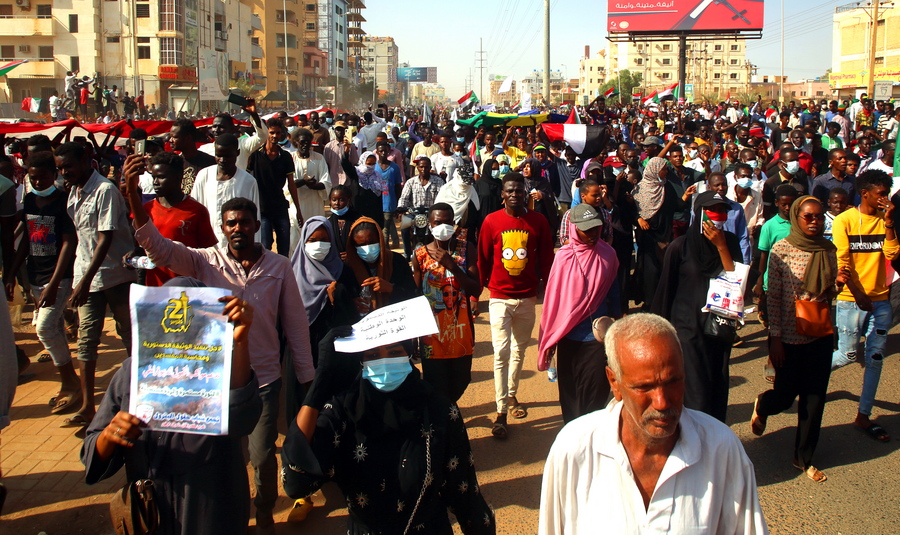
4,70
31,104
668,93
637,96
426,114
516,105
573,117
651,98
473,150
525,102
506,86
587,140
469,97
610,93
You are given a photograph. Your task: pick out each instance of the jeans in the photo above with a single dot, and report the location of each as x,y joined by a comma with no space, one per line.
853,322
512,321
389,230
261,445
93,314
279,225
50,328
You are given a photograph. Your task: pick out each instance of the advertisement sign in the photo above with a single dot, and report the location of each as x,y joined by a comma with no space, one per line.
412,74
689,92
191,32
176,73
684,15
213,74
841,80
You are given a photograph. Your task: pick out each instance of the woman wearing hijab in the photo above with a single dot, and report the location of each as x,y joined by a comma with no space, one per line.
691,260
342,215
581,288
398,451
383,277
460,194
200,481
364,183
802,267
488,188
540,193
656,202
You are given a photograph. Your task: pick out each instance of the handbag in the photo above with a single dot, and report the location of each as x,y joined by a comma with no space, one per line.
813,318
133,509
720,328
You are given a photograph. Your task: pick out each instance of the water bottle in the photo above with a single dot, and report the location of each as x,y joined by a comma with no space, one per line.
141,262
366,295
551,374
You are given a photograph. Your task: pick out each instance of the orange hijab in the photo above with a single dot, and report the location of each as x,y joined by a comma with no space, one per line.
385,260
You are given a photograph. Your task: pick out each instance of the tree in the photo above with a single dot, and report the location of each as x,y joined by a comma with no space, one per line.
629,81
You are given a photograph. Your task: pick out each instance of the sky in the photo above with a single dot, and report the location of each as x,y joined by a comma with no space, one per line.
448,36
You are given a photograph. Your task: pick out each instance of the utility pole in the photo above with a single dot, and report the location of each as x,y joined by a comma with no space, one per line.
287,81
871,82
480,60
547,53
782,52
682,64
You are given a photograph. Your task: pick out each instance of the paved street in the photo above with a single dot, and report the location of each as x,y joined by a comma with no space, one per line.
41,467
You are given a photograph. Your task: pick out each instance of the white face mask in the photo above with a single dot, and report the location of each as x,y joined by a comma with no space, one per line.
443,232
317,250
753,164
692,153
792,167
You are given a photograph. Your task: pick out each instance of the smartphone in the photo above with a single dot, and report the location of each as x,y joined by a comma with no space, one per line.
140,147
237,99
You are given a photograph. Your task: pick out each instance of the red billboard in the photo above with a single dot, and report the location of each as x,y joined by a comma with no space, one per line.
684,15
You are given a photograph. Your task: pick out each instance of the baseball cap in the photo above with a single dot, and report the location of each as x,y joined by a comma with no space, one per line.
708,199
340,124
651,140
585,217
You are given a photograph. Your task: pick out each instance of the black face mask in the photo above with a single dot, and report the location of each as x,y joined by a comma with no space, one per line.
633,162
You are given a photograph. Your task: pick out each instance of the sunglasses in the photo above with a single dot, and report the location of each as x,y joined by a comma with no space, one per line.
812,217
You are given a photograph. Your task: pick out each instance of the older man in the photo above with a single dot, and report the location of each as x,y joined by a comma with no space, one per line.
646,464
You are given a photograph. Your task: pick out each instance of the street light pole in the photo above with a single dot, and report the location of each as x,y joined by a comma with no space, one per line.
287,81
870,86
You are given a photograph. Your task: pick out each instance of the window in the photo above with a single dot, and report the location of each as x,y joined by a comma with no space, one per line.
8,52
255,65
733,62
310,7
717,75
310,43
171,50
171,17
735,48
591,80
254,40
666,48
45,11
144,40
340,45
793,93
638,61
5,11
114,39
45,52
803,93
143,52
733,76
820,93
338,10
310,25
666,61
717,62
665,75
718,48
73,23
142,11
879,60
75,63
340,64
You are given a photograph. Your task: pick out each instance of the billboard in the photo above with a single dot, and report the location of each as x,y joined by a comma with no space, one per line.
213,74
684,16
417,74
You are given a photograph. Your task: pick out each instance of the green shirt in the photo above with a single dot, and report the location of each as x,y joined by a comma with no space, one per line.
773,231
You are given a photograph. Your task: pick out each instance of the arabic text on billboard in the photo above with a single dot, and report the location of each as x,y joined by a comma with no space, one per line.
412,74
684,15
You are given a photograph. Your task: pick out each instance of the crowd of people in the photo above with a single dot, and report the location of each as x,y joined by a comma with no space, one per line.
299,217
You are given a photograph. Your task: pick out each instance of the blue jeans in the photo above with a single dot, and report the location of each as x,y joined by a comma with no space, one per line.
853,322
281,227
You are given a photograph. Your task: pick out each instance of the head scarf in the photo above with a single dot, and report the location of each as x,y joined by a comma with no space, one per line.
487,167
579,280
818,276
313,277
649,193
457,193
360,269
368,177
698,246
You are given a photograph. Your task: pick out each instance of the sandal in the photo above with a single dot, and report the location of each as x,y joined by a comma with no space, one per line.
76,420
64,401
757,422
499,430
45,357
52,401
518,411
815,474
769,373
876,432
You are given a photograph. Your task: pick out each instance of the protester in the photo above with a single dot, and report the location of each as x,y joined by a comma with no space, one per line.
420,191
691,261
648,462
383,277
312,180
183,138
224,124
446,270
199,482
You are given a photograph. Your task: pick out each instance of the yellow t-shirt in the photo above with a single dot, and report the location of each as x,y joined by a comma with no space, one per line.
516,156
861,245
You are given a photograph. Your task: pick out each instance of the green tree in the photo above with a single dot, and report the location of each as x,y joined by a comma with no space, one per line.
629,81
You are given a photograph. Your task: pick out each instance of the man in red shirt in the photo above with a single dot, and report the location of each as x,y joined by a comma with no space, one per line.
515,252
177,216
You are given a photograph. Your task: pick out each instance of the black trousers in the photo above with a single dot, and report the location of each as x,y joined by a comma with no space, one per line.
450,377
583,386
805,373
706,376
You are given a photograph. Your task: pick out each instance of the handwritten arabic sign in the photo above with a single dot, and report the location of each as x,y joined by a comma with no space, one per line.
684,15
181,374
389,325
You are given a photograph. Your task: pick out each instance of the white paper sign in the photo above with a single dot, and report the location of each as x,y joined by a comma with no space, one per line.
388,325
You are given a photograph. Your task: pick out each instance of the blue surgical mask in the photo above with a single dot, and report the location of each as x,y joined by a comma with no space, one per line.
340,211
458,153
461,139
44,192
369,253
495,173
504,169
284,142
387,374
753,164
329,120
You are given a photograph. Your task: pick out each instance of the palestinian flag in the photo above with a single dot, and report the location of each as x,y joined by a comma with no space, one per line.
637,96
587,140
468,98
4,70
669,93
610,93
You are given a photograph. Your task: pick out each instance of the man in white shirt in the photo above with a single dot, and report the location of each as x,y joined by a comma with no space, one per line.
217,184
646,464
734,113
224,124
313,182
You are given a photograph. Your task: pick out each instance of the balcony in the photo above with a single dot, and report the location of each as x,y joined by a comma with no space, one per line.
26,26
256,51
353,16
256,22
36,68
356,4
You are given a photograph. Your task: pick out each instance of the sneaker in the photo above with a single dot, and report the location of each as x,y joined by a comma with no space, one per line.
300,510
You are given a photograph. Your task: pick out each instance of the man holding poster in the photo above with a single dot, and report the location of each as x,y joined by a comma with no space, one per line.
263,278
205,473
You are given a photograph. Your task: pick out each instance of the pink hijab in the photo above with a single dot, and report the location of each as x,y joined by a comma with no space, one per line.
580,278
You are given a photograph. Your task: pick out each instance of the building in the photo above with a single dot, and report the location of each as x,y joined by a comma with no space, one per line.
379,60
331,32
715,67
143,45
501,99
534,84
852,26
591,75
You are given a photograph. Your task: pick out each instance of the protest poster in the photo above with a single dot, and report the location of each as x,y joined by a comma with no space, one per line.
181,369
388,325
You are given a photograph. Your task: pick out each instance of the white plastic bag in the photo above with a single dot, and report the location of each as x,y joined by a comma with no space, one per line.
725,296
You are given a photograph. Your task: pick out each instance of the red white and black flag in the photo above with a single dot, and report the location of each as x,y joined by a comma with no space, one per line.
586,140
